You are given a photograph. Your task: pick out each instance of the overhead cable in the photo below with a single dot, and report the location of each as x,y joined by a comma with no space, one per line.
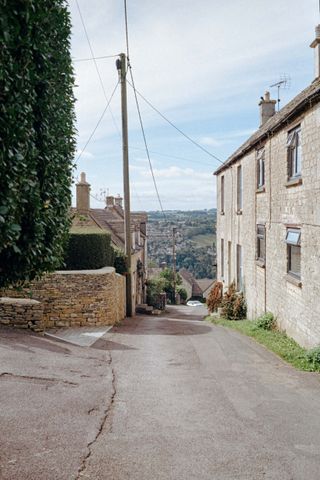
174,126
139,112
98,123
94,58
96,65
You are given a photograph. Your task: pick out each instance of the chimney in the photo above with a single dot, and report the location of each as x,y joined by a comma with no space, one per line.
267,108
83,194
316,45
110,201
118,201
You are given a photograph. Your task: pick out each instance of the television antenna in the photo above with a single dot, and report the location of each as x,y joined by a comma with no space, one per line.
285,83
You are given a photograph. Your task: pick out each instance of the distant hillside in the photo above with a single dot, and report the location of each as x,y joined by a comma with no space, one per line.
195,240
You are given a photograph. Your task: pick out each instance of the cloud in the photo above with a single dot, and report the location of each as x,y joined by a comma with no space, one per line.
204,66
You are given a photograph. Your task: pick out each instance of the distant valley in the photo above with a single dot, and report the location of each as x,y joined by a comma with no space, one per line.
195,240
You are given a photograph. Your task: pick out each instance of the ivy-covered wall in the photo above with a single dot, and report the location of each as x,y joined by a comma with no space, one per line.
36,136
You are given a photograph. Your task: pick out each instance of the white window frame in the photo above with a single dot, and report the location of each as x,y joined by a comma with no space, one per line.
294,153
260,168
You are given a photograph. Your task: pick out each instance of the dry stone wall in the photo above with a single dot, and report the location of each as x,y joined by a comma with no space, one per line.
78,298
21,313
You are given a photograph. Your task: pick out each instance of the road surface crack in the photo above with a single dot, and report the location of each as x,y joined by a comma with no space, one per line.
39,380
106,415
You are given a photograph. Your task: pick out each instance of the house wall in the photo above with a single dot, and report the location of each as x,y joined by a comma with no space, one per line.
297,308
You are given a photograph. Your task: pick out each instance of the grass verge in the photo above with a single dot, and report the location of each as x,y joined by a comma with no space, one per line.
276,341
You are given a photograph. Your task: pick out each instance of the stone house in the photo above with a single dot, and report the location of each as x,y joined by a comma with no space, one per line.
111,219
190,284
268,217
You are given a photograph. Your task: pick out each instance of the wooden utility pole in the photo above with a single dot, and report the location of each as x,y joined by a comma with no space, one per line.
122,70
174,231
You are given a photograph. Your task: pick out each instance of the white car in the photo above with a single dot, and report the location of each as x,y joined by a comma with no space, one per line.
194,303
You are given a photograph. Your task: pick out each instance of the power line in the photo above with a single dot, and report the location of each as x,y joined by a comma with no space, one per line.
174,126
96,65
98,123
138,109
94,58
173,156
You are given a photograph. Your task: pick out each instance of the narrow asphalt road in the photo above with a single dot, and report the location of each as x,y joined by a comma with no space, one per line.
197,401
157,398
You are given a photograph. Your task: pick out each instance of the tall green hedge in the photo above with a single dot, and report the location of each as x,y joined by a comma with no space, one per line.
36,136
86,251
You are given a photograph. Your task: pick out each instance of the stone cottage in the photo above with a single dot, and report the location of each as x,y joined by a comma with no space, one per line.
268,214
111,219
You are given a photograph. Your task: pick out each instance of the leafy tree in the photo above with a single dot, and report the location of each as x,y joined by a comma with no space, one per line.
36,136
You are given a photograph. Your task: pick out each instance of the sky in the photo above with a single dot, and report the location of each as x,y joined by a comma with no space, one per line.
204,65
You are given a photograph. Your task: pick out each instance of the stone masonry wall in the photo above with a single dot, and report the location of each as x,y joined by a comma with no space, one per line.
21,313
268,288
79,298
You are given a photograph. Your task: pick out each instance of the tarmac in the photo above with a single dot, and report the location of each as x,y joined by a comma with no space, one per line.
165,398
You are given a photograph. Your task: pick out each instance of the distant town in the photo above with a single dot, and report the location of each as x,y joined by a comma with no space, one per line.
194,240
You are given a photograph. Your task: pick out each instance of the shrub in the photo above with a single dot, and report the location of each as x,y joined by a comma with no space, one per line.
313,357
88,251
183,293
120,262
215,297
37,137
266,321
233,304
155,288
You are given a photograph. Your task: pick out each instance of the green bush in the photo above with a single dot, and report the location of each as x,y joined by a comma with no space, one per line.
37,136
120,262
266,321
313,357
233,304
89,251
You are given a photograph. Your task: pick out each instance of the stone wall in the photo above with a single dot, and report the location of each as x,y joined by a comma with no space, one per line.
79,298
268,288
21,313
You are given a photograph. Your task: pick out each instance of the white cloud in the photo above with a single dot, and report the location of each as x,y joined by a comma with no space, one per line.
203,64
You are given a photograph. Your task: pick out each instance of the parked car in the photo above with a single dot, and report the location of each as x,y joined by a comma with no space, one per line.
194,303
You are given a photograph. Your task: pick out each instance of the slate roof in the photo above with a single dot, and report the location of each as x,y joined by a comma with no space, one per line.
188,277
303,101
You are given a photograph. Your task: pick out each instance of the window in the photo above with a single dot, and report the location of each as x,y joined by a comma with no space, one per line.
239,269
239,188
294,153
293,240
222,258
261,243
222,194
229,263
260,168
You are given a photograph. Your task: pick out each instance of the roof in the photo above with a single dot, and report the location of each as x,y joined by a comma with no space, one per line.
188,277
205,283
109,219
303,101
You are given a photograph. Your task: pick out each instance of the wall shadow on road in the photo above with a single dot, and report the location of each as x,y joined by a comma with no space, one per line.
103,344
26,342
161,326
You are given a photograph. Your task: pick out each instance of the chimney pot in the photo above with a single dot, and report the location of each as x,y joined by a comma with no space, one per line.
316,45
110,201
267,108
118,201
83,194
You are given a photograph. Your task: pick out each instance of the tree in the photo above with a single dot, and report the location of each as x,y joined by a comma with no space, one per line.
37,136
168,276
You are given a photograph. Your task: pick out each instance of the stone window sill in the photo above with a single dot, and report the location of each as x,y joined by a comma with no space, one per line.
260,263
293,182
261,189
294,280
239,212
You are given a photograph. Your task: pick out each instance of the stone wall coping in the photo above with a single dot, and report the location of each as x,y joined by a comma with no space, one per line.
18,301
100,271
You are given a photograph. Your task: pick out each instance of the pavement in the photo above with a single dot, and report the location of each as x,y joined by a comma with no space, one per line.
170,397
